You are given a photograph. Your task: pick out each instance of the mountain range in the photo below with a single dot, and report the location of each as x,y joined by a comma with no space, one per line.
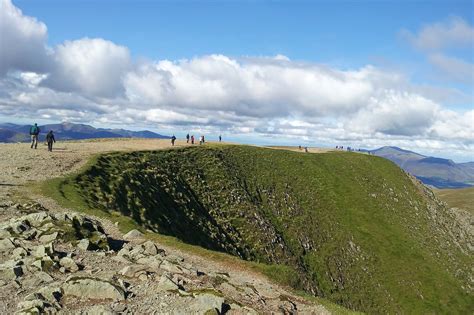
70,131
432,171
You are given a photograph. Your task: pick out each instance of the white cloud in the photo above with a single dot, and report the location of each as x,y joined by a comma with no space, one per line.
91,66
22,41
454,32
454,68
95,81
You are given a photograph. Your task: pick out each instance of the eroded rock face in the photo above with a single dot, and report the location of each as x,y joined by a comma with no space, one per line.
62,263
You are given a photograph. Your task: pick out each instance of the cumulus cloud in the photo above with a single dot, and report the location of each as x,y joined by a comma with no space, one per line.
96,81
90,66
22,41
252,87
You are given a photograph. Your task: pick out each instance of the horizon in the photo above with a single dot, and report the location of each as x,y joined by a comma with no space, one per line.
361,74
243,141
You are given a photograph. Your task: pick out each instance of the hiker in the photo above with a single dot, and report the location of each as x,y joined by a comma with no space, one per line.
34,132
201,140
306,149
299,147
220,138
187,138
50,139
173,139
192,139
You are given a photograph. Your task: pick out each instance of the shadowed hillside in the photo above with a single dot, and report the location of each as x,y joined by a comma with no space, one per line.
355,228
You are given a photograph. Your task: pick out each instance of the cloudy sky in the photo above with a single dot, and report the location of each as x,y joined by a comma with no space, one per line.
320,73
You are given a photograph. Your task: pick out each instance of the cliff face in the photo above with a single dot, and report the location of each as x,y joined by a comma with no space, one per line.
355,228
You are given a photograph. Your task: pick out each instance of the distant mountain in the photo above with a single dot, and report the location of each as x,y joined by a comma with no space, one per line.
69,131
437,172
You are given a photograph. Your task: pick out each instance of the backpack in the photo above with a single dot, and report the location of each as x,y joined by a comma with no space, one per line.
34,130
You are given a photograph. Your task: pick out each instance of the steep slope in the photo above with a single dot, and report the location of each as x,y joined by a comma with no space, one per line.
355,228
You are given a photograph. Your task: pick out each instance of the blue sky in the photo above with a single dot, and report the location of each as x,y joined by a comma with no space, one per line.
366,73
346,33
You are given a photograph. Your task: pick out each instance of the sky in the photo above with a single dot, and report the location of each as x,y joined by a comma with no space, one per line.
320,73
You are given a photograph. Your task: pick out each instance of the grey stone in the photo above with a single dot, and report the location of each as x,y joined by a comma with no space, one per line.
92,288
131,270
133,234
48,238
44,250
150,248
19,253
6,245
206,302
170,267
83,244
166,284
69,264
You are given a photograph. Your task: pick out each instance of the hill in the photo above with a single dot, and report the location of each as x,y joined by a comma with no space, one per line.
354,228
70,131
433,171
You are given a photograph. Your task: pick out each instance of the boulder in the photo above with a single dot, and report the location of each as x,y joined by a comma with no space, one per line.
48,238
69,264
133,234
6,245
44,250
207,302
19,253
170,267
92,288
133,270
166,284
83,244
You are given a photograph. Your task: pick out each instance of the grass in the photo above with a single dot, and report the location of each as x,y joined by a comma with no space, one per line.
350,227
458,198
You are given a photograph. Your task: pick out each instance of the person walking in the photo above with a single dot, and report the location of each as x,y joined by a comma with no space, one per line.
173,139
220,138
192,139
50,139
187,138
34,132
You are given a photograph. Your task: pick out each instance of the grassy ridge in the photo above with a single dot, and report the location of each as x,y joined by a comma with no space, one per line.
354,228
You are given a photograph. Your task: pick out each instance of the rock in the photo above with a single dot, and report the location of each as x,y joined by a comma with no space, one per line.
131,270
19,253
4,233
166,284
207,302
44,264
69,264
48,238
31,307
133,234
150,248
39,278
83,244
99,310
92,288
6,245
44,250
11,270
37,219
170,267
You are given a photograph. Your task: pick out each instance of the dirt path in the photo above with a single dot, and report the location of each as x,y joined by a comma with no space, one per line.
20,165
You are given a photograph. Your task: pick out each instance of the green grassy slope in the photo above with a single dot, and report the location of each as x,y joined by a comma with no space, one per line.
354,227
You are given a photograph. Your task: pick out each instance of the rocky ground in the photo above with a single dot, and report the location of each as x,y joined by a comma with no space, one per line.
53,260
